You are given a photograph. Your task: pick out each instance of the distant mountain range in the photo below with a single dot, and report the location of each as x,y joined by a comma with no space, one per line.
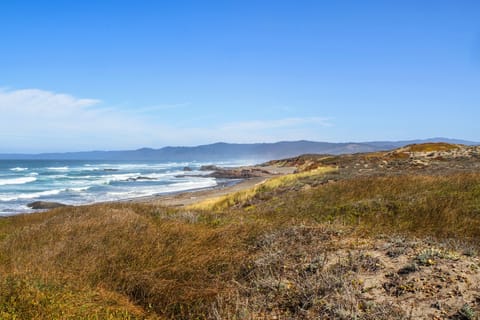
232,151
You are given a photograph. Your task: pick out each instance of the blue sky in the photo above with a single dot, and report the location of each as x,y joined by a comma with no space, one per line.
83,75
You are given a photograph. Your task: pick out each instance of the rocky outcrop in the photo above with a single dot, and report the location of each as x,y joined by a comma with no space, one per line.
238,173
37,205
187,169
209,168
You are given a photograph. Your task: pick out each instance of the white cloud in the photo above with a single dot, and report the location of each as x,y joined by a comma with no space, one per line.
45,103
39,120
34,120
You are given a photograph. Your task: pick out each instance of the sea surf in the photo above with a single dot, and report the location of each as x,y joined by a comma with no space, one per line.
74,182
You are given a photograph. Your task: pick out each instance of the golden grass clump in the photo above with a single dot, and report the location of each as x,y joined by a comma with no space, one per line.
30,298
223,202
431,147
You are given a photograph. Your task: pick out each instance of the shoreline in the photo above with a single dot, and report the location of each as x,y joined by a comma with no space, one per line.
188,197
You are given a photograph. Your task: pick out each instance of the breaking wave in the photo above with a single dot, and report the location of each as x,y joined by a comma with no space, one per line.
23,180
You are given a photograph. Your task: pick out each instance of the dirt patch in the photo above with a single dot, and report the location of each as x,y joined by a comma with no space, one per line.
317,272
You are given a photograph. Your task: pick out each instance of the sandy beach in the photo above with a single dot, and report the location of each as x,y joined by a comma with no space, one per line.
190,197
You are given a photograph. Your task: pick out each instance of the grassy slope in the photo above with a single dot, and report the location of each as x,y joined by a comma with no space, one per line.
260,253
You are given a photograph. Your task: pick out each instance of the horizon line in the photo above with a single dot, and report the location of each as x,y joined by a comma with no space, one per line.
426,140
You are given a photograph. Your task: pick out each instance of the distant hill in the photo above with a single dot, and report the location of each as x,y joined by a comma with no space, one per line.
228,151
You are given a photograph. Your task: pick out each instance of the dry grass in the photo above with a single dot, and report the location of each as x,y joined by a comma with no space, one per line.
224,202
30,298
295,274
254,254
166,266
430,147
442,206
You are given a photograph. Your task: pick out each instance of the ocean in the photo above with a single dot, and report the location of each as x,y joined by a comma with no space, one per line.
84,182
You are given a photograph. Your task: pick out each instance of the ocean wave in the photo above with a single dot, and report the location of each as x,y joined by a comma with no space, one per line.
98,180
33,195
78,183
174,187
58,168
107,179
75,177
98,168
152,166
158,176
196,184
133,177
12,210
22,180
89,168
79,189
56,177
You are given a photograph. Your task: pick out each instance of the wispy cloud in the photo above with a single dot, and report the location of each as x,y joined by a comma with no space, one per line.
43,120
34,120
45,103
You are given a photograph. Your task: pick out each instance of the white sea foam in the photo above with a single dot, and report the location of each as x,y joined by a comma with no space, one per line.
89,168
107,179
95,182
196,184
22,180
33,195
58,168
158,176
77,177
80,189
153,166
13,210
175,187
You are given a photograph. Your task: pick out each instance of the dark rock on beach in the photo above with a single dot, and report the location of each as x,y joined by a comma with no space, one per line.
187,169
230,173
209,168
45,205
238,173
